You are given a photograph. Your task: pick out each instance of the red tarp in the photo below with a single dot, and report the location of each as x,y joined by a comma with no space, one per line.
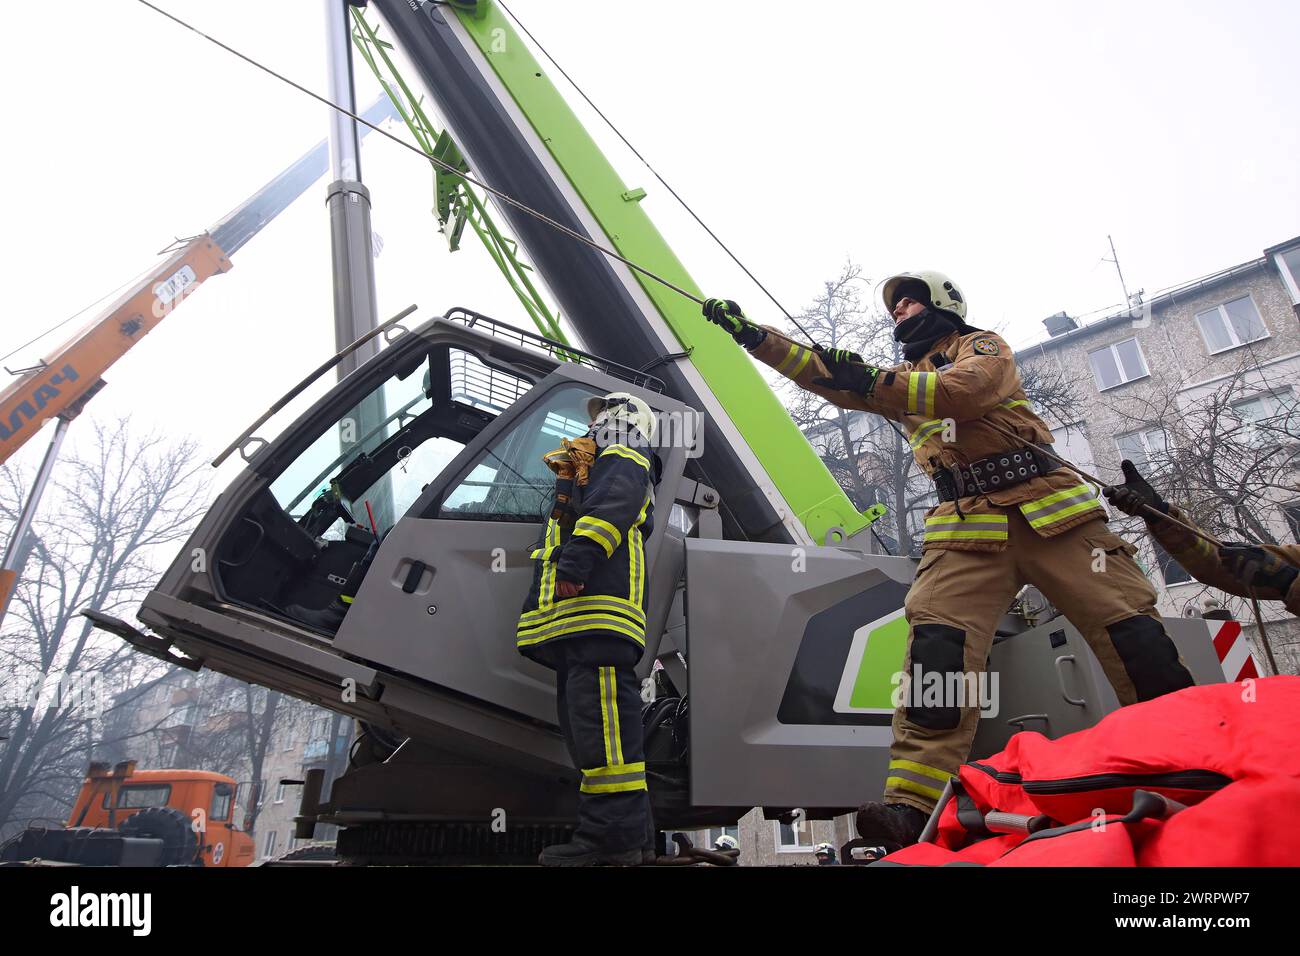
1229,752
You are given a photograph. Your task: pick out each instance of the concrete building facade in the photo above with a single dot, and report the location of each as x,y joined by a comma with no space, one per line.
1212,360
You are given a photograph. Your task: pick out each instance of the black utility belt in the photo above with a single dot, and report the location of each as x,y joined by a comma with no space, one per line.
1006,469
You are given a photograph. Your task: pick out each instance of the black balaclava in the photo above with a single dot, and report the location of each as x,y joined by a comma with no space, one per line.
918,333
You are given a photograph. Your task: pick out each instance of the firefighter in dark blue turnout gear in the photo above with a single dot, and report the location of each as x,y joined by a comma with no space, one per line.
585,618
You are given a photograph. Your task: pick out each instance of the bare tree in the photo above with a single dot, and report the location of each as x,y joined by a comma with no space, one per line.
111,506
867,455
1229,456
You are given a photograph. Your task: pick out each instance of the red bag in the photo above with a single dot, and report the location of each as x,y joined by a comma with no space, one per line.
1201,777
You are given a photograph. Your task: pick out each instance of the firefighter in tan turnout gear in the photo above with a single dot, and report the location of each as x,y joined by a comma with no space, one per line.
1007,516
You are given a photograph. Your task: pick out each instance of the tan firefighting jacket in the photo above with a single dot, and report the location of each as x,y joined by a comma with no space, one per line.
943,407
1201,560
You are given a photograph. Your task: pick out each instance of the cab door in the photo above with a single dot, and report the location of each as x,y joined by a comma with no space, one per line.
220,835
443,595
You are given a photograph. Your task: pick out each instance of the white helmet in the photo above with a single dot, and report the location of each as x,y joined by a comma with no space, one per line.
944,293
726,842
821,848
622,408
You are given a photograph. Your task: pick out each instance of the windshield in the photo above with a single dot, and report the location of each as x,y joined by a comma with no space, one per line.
378,457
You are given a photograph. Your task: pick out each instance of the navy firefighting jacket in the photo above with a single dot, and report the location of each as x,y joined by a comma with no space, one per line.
600,545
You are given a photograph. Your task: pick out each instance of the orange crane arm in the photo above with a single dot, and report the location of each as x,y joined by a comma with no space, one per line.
73,371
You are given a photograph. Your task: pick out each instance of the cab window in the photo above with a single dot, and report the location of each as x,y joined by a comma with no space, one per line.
141,795
223,796
375,460
509,481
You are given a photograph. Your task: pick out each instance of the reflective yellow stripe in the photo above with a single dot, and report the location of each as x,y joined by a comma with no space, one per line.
1061,515
624,452
790,353
595,602
1016,403
635,566
345,599
924,431
1059,505
613,707
604,714
600,531
935,774
613,787
585,622
614,771
796,357
900,783
965,536
1056,496
546,586
920,392
952,528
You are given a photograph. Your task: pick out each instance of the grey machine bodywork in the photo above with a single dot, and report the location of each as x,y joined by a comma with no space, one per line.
758,636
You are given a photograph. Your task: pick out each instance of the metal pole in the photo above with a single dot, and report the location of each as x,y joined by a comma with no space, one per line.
351,250
15,553
355,313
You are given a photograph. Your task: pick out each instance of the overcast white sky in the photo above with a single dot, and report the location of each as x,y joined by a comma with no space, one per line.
999,142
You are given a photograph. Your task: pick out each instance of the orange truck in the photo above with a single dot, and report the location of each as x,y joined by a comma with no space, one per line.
129,817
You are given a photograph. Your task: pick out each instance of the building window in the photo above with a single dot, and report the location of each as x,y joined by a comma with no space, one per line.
1288,264
712,835
794,839
1269,419
1117,364
279,792
1144,446
1170,570
1231,324
268,848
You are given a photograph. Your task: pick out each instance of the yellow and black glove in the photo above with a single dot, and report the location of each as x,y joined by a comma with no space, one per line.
728,314
1134,493
848,372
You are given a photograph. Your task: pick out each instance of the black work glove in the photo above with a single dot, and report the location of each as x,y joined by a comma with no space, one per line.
1257,568
728,314
848,372
1134,493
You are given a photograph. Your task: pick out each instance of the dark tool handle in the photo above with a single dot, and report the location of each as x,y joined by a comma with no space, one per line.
999,822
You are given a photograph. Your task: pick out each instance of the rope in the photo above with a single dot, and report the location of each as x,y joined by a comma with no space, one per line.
1159,516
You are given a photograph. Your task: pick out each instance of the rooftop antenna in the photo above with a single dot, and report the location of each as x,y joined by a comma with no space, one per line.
1114,257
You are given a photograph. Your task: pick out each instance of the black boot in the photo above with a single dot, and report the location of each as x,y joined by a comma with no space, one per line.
580,852
328,618
893,825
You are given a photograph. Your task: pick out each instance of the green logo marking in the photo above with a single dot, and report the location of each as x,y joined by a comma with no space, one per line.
875,657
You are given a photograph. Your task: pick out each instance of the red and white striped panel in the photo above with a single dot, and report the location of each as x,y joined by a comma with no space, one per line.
1233,650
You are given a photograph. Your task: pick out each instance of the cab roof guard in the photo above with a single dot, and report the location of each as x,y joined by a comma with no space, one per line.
557,350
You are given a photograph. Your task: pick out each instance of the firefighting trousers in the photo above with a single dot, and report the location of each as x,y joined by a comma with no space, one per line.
953,607
598,700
